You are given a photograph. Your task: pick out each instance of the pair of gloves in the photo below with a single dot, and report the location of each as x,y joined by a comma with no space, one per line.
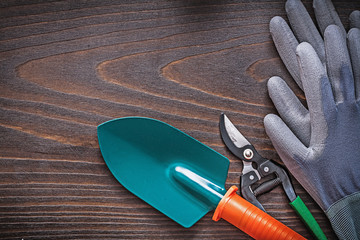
320,144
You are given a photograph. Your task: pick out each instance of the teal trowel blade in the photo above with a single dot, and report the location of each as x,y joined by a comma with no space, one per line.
168,169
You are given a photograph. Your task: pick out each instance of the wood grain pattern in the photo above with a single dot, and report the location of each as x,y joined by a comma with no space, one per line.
67,66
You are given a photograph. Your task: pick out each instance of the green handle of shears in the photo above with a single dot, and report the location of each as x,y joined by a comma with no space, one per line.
299,206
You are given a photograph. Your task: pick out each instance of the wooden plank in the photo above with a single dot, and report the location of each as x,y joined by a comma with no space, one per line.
67,66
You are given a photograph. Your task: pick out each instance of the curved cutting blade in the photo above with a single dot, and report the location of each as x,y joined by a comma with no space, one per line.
232,138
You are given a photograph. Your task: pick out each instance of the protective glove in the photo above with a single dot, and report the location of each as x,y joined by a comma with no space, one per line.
304,30
320,146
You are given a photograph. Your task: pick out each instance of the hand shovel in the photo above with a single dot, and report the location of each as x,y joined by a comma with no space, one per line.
179,176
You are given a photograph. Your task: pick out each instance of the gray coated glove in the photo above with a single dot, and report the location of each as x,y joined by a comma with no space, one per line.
320,145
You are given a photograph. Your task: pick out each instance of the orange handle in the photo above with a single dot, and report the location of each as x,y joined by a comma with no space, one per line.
251,219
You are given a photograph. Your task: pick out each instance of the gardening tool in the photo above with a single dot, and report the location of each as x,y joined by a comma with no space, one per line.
251,175
179,176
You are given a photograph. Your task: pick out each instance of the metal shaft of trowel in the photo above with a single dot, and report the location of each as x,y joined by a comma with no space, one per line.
198,186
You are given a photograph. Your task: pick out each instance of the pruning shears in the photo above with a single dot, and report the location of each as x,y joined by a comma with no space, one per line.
255,167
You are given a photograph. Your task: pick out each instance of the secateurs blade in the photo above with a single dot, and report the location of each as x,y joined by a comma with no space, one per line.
255,167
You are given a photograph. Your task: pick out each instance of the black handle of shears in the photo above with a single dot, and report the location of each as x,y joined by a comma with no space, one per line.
266,186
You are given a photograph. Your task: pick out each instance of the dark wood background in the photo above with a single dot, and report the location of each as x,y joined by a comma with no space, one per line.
67,66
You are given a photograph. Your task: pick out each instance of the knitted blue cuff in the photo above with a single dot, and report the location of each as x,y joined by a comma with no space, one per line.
344,216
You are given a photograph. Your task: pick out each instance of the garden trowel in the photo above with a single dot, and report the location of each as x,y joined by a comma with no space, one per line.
179,176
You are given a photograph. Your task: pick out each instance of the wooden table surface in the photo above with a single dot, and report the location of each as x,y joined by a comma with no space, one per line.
67,66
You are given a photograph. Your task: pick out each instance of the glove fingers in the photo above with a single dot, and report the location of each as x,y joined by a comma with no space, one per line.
291,110
288,146
355,19
286,44
304,27
339,65
326,15
291,151
354,48
317,90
